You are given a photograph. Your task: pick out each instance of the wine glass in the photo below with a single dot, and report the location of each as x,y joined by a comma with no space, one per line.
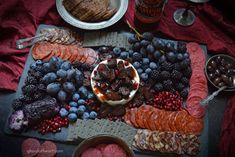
184,16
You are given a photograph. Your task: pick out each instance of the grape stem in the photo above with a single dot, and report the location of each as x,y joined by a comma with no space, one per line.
132,28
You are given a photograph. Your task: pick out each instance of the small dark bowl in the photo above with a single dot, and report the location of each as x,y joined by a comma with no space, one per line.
101,139
228,59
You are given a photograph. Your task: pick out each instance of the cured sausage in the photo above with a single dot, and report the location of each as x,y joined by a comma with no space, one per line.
198,83
30,147
161,120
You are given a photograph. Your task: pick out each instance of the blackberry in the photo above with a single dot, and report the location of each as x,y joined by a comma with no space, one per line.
39,68
184,80
29,89
185,64
184,93
165,75
177,66
155,74
38,75
166,66
179,86
158,87
181,47
31,72
38,96
136,56
176,75
31,80
28,99
17,104
187,72
41,87
168,84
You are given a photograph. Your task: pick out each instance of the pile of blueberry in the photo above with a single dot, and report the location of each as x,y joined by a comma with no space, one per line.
65,83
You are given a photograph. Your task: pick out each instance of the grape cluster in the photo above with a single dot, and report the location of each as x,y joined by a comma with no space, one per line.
64,82
163,62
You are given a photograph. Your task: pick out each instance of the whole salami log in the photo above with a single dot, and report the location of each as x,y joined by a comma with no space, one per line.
148,117
167,142
198,83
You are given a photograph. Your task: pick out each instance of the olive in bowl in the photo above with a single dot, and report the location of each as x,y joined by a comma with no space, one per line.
220,71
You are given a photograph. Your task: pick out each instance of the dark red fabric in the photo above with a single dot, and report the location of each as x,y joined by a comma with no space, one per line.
209,27
19,19
227,138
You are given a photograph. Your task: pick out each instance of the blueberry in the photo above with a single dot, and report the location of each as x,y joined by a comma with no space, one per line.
171,57
136,65
39,62
63,112
180,56
148,71
140,71
157,54
78,76
61,73
81,102
33,66
81,109
53,88
85,115
150,49
76,97
170,46
66,65
53,60
90,95
73,110
124,55
61,95
186,55
131,52
58,62
153,65
73,104
83,92
145,61
162,59
117,51
69,87
46,66
72,117
93,115
148,36
144,76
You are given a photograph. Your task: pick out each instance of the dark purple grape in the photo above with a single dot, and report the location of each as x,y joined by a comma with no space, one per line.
157,54
144,43
162,59
150,49
158,43
171,57
148,36
143,52
170,46
136,46
132,40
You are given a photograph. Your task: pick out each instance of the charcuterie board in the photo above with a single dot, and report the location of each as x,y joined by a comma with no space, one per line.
65,134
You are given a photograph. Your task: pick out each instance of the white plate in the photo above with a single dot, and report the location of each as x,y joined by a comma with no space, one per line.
120,5
100,96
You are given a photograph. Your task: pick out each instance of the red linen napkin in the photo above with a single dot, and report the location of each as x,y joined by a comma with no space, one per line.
19,19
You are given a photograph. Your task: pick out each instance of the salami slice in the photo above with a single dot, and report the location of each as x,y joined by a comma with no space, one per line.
47,149
113,150
92,152
30,147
